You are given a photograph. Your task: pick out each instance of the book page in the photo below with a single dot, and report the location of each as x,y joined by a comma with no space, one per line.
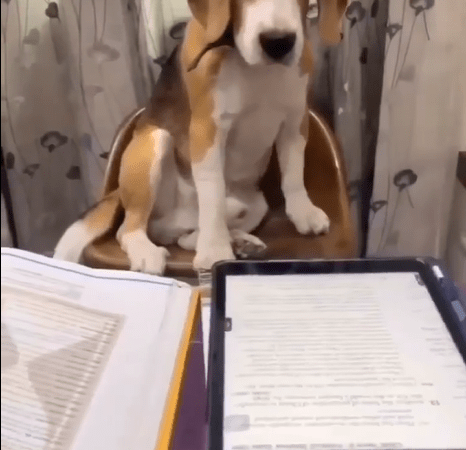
338,362
87,355
53,353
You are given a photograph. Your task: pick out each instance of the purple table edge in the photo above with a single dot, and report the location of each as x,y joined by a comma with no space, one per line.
191,428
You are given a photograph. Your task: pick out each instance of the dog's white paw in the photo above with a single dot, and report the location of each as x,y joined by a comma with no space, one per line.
148,259
144,256
188,241
208,254
246,245
308,218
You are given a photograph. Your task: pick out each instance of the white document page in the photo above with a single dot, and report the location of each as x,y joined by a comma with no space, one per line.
205,314
340,361
87,355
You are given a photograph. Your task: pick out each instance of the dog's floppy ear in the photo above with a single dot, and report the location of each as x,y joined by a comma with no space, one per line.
330,20
214,18
307,60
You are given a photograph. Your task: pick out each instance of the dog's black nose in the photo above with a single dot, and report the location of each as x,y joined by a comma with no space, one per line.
277,45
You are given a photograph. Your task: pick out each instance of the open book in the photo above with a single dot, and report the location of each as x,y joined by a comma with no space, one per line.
90,359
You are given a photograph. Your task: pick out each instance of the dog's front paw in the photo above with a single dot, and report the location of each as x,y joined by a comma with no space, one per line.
208,255
144,256
148,259
308,218
246,245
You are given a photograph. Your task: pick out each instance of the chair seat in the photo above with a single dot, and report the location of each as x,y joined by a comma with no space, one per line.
106,253
277,232
325,180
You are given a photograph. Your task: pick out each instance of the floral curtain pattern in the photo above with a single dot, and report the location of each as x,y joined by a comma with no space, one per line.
422,127
71,71
347,89
393,90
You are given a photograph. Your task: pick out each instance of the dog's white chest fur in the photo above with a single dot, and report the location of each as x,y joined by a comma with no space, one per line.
252,102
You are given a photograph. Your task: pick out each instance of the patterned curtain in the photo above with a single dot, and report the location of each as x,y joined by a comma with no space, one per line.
422,127
71,71
393,90
347,90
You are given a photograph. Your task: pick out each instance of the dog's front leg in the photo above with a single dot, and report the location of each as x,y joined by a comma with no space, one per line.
140,173
291,144
208,162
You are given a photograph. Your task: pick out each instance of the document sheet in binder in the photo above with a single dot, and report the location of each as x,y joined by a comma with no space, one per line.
90,359
339,361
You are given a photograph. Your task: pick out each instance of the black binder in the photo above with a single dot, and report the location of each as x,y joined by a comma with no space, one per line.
449,300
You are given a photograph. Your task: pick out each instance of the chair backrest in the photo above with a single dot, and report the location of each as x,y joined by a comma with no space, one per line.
326,182
329,185
323,151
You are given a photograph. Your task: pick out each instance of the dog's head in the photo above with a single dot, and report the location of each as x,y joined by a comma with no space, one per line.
264,31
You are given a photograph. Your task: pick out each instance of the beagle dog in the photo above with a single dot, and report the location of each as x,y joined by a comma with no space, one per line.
236,86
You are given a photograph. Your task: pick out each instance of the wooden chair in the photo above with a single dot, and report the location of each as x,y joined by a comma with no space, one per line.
325,180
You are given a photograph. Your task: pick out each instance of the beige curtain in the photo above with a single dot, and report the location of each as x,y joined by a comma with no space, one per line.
71,71
356,68
422,127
